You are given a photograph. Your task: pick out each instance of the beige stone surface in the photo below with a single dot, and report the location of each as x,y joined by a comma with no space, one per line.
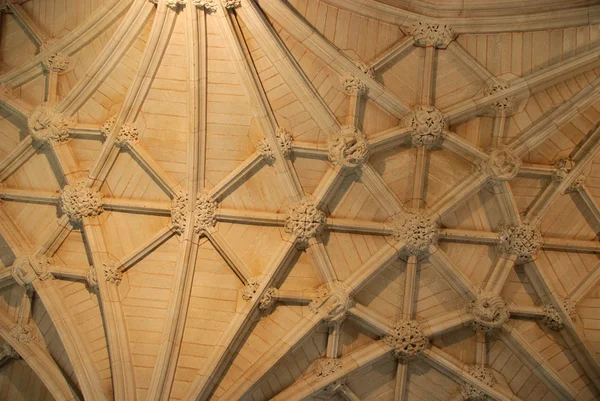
252,199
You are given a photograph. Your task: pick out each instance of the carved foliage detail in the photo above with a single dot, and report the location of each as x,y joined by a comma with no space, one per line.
490,312
264,149
407,340
353,86
45,125
349,148
431,34
323,367
268,300
417,229
577,184
174,3
179,211
208,5
482,374
112,274
91,279
428,125
367,69
332,305
563,167
503,104
44,272
285,140
524,240
79,201
231,4
250,289
552,318
23,334
58,63
503,164
128,135
205,214
304,221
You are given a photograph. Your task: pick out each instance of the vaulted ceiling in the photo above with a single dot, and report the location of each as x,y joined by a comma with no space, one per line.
299,200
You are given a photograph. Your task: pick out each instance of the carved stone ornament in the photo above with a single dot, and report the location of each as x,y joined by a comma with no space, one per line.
428,125
285,140
78,201
91,279
269,299
502,105
46,125
524,240
47,43
179,212
349,148
407,340
264,149
552,318
353,86
58,63
205,214
503,164
484,375
128,135
174,3
323,367
305,221
112,274
22,272
431,34
208,5
417,229
332,305
577,184
563,167
490,312
250,289
23,334
367,69
6,351
108,126
44,270
231,4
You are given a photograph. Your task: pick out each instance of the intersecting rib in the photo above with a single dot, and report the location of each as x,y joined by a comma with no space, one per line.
112,53
113,316
532,83
17,157
40,362
288,68
329,54
538,364
448,365
575,340
307,386
216,363
104,16
245,68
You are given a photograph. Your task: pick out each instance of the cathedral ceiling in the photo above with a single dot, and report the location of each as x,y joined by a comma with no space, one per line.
299,200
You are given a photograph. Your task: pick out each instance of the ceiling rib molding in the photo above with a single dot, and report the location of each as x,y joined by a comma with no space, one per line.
475,24
70,44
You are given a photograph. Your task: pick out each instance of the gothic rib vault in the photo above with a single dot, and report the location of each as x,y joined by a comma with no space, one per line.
299,200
